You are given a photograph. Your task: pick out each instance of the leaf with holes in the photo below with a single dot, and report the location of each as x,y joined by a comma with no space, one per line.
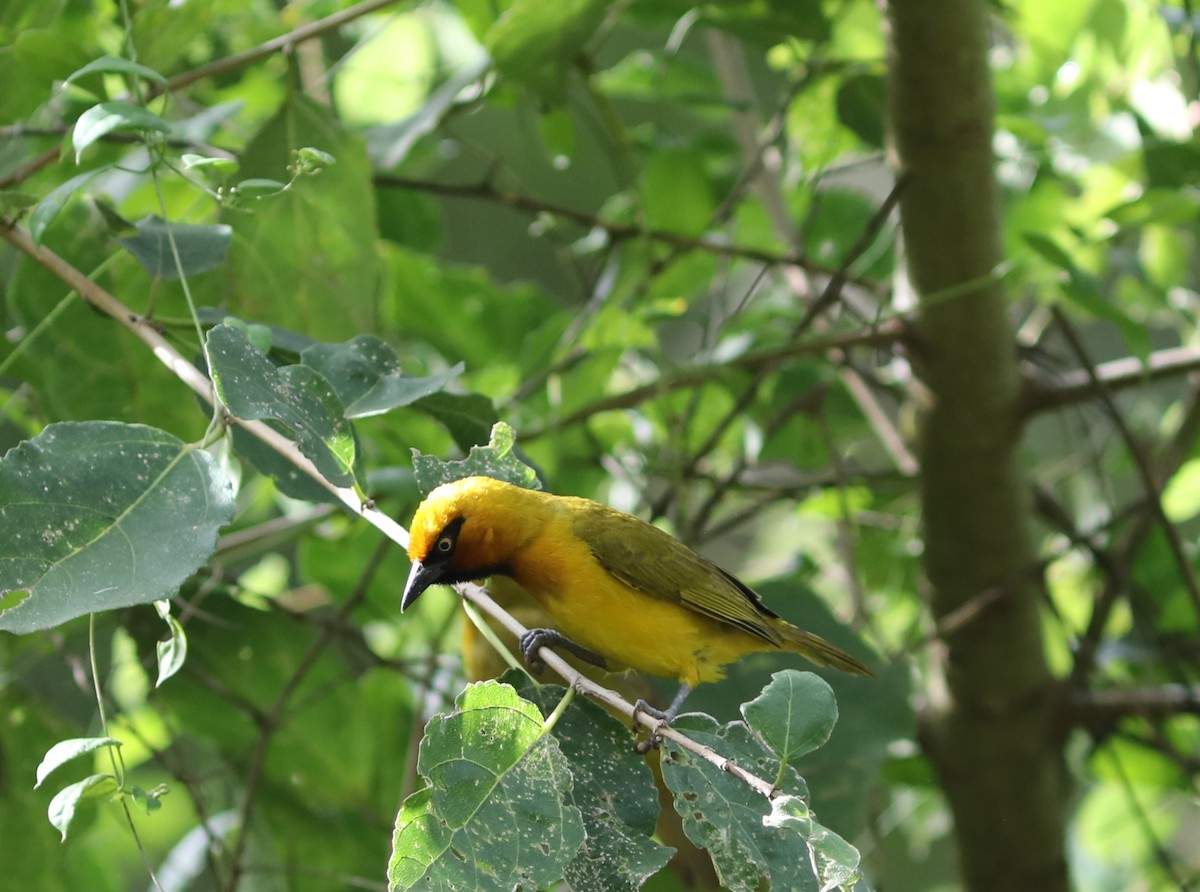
497,459
496,813
724,816
298,397
366,374
97,515
615,794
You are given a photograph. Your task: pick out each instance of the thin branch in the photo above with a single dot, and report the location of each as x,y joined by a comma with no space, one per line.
887,332
1113,376
270,720
616,231
1165,860
1103,708
1142,463
832,291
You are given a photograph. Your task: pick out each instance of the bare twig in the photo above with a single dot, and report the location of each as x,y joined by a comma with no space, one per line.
270,720
191,376
1102,708
1116,375
889,331
1142,463
616,231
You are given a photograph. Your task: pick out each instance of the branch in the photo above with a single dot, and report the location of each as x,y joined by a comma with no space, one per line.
887,332
1115,375
1141,462
617,231
1100,709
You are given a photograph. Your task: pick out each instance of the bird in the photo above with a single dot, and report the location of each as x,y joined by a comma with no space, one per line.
622,593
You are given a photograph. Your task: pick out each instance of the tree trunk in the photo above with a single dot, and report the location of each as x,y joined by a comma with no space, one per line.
990,729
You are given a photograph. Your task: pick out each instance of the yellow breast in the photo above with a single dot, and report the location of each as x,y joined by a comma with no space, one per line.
629,628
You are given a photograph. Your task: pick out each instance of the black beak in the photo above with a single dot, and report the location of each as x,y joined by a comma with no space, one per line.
420,577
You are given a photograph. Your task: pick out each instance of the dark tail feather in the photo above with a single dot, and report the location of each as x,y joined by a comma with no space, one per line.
818,650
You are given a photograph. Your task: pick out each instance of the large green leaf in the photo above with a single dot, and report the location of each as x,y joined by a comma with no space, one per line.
98,515
496,814
200,248
298,397
614,791
497,459
536,44
725,816
366,374
795,713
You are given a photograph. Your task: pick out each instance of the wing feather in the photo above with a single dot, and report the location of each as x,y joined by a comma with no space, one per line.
655,563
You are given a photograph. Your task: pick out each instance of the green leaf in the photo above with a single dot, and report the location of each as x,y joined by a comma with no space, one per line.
677,192
251,387
366,374
173,652
467,416
613,790
496,813
97,515
493,460
1181,495
835,859
1049,250
116,65
100,120
66,750
202,162
47,209
201,248
795,713
536,43
860,106
259,187
12,204
724,816
62,806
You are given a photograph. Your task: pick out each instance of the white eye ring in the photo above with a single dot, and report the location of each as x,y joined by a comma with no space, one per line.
445,544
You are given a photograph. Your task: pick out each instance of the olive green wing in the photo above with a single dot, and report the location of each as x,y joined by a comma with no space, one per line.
647,559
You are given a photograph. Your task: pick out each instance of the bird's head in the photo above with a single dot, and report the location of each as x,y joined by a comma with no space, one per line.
466,530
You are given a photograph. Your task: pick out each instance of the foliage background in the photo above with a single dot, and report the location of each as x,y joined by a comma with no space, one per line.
618,218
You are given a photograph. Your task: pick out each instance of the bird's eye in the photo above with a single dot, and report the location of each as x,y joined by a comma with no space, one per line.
445,544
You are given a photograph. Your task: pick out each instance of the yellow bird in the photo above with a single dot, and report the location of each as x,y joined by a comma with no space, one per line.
623,593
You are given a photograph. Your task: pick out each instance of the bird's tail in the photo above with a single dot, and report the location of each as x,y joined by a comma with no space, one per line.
818,650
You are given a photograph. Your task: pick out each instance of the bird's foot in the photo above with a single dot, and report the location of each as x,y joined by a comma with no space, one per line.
655,739
535,639
665,717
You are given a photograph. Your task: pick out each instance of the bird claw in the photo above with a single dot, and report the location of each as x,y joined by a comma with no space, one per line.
530,643
655,739
535,639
